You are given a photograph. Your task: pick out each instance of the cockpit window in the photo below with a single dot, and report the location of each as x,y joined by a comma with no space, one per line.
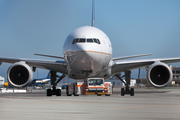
88,40
81,40
75,41
97,41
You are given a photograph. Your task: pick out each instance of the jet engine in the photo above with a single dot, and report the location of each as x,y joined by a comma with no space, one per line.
159,75
19,75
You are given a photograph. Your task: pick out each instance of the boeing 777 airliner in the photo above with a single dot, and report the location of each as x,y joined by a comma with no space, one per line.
88,53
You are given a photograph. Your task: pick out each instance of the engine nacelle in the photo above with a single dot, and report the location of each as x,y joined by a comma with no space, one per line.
19,75
159,75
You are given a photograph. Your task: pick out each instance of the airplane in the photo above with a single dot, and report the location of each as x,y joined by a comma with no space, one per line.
35,82
88,54
41,81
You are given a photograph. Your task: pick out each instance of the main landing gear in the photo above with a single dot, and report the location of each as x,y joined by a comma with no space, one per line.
54,91
127,89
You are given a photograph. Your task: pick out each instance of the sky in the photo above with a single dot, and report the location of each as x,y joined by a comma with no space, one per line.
133,26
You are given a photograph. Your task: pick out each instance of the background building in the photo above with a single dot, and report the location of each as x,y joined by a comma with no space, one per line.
1,81
176,75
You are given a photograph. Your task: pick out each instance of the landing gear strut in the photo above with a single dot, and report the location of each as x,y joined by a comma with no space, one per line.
127,89
54,91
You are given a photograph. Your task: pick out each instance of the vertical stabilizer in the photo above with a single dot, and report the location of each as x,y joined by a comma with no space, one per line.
48,76
93,17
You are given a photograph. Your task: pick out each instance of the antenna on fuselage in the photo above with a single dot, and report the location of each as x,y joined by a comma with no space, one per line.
93,17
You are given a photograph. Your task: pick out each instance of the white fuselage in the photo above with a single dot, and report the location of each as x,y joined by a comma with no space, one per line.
87,50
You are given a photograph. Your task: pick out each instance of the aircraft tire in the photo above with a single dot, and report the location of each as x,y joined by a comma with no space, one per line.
132,92
49,92
122,92
74,92
58,92
99,94
67,92
76,95
107,94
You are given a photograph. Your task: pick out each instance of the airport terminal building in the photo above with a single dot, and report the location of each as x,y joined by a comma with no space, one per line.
1,81
176,75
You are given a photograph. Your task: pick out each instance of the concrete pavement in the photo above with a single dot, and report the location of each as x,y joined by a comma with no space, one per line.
147,104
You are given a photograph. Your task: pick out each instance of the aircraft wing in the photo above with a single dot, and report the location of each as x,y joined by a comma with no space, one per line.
121,66
54,65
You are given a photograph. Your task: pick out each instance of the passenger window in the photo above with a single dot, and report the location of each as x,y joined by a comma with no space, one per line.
90,40
81,40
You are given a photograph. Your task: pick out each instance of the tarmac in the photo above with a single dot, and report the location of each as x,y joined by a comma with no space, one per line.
147,104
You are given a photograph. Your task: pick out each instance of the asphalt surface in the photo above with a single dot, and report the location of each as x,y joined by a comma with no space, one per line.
147,104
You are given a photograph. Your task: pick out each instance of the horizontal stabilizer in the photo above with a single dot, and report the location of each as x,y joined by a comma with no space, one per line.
50,56
133,56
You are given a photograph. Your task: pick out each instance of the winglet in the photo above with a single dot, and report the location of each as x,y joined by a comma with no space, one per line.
50,56
93,14
133,56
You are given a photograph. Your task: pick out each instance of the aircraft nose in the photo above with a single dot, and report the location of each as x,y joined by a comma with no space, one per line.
86,50
81,47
